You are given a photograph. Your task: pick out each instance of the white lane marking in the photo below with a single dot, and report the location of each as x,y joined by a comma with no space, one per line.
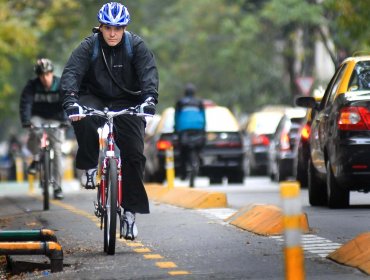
311,243
314,244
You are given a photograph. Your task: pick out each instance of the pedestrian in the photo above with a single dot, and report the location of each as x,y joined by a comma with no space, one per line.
190,125
41,103
112,68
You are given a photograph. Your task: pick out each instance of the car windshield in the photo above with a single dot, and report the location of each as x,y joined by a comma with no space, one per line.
218,118
360,79
265,123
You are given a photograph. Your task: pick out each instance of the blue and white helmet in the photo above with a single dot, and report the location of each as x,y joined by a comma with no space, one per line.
114,14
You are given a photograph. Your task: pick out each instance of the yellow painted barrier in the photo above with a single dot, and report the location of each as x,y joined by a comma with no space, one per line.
31,183
19,169
185,197
68,168
293,252
355,253
170,168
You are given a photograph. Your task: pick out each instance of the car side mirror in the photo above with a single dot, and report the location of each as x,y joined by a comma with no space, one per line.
306,101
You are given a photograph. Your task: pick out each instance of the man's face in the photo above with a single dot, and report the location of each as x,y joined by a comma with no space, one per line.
46,79
112,34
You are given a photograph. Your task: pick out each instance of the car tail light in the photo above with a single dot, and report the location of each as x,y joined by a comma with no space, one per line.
305,132
354,118
163,145
224,144
284,142
260,140
359,166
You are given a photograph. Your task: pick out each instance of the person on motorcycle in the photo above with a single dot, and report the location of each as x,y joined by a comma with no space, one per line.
190,125
41,102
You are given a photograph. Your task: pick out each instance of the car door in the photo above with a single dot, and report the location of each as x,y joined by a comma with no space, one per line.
324,121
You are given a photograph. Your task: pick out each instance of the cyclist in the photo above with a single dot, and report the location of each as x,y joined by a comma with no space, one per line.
41,102
116,81
190,125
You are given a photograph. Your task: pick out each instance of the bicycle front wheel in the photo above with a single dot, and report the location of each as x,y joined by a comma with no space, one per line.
45,178
110,216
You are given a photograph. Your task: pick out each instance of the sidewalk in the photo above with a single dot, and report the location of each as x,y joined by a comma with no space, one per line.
13,188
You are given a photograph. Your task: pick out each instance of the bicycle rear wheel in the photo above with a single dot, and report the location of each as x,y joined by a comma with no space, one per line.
194,166
45,178
110,213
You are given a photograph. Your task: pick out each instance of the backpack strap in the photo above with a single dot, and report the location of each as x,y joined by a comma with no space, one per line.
127,45
96,47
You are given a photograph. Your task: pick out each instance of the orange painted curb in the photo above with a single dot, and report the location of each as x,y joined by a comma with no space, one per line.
186,197
263,219
355,253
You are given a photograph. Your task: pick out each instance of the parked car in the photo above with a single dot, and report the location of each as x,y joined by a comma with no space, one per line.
258,132
222,156
282,151
340,136
303,146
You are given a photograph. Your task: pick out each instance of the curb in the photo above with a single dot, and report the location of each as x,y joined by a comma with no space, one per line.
355,253
186,197
263,219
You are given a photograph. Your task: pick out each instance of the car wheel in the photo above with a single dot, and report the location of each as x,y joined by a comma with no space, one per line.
237,178
215,180
337,197
317,195
159,177
302,175
282,173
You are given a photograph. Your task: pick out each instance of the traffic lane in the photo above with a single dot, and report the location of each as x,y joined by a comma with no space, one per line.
337,224
201,247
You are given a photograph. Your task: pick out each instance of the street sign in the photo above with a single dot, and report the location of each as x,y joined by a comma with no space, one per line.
305,84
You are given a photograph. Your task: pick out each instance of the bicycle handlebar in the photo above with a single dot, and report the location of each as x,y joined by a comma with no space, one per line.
134,111
49,125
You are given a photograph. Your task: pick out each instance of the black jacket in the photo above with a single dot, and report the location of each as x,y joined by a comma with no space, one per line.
83,75
36,101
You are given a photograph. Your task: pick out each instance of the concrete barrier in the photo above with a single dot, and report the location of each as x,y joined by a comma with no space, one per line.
263,219
355,253
185,197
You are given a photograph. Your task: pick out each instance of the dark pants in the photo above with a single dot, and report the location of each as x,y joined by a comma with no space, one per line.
189,140
129,136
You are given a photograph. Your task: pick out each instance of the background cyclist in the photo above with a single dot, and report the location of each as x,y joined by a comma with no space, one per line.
190,121
41,102
115,80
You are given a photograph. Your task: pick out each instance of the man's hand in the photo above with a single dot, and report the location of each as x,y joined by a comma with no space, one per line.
148,107
75,112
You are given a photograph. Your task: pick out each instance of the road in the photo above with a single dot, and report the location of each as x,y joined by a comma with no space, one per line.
182,243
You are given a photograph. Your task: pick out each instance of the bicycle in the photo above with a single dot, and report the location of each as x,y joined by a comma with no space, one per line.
109,189
46,164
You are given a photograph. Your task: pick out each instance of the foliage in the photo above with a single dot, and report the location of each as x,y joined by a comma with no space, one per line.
239,53
348,22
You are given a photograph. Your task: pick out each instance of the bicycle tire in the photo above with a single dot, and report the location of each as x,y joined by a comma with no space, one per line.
194,167
45,178
110,216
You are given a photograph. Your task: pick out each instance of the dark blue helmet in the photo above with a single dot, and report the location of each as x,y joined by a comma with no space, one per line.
114,14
